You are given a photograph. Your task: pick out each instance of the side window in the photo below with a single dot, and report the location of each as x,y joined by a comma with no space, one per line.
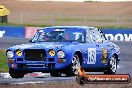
79,36
103,35
89,36
41,37
35,38
98,36
94,35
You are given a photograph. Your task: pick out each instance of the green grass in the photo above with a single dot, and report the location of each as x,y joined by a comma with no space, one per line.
127,20
89,1
3,62
25,25
112,27
40,19
68,19
85,19
46,25
101,20
88,19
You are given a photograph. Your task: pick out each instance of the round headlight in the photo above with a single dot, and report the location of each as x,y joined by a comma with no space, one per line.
61,54
9,54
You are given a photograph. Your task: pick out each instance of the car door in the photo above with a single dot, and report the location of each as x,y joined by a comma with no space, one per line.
93,51
104,46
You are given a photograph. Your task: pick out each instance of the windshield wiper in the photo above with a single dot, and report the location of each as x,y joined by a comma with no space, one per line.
73,41
59,41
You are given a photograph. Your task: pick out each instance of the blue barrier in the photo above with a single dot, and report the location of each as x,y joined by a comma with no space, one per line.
111,34
118,34
12,31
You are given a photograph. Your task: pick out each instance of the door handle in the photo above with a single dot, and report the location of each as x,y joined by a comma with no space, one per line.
108,45
97,45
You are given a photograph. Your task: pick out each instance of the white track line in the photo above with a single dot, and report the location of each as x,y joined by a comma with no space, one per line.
21,83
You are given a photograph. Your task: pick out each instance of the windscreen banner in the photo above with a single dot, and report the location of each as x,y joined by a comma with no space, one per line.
118,34
12,31
30,31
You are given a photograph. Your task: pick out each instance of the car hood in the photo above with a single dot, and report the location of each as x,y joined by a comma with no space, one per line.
43,45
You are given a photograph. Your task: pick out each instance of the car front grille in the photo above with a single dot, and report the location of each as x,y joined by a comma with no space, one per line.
35,54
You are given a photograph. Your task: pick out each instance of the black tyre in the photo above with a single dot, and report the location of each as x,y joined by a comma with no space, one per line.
74,66
55,74
80,80
16,74
112,66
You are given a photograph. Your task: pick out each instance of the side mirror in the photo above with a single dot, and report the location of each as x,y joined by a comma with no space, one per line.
30,40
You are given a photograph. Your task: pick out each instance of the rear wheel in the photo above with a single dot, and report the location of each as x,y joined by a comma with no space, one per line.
74,66
112,66
16,74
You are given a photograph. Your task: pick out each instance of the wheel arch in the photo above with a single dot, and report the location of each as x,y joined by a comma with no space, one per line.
116,56
80,56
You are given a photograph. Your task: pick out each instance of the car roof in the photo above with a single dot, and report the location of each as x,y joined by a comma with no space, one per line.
70,27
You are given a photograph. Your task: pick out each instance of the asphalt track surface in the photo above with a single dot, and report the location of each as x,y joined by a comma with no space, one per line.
125,65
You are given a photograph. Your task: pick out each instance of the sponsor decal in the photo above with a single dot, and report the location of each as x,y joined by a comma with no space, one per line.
2,33
91,56
83,78
119,37
104,57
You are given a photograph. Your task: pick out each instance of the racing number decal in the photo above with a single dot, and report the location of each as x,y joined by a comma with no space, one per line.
91,56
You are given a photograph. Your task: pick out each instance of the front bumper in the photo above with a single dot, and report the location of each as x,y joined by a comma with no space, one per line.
36,66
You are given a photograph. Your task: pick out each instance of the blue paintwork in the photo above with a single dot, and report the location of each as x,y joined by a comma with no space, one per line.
69,48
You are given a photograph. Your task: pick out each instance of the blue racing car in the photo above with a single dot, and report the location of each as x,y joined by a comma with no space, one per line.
64,49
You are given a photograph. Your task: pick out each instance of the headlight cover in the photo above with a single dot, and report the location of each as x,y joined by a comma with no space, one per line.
61,54
51,52
9,54
19,53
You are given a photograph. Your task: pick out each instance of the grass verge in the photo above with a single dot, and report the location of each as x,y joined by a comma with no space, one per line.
47,25
68,19
3,62
25,25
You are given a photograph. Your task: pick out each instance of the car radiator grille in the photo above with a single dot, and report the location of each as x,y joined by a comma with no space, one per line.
35,54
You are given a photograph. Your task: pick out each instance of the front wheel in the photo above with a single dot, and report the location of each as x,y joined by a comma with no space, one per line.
80,80
112,66
74,66
16,74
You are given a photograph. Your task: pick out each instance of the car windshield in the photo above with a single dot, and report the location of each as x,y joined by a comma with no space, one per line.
59,35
